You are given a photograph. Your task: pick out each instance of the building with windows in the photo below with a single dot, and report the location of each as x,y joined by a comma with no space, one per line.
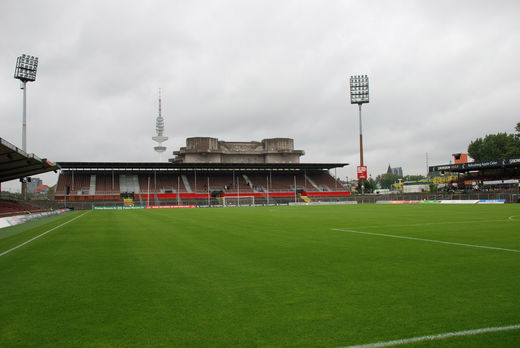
396,171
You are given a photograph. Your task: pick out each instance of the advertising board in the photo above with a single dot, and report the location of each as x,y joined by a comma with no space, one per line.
361,172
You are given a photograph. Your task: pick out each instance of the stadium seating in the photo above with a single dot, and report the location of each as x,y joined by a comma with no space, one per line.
107,184
11,208
160,183
78,183
326,182
164,186
218,181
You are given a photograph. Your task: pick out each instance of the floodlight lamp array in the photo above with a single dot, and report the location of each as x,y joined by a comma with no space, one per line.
26,68
359,89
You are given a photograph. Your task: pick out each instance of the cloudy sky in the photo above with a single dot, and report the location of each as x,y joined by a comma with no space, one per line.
442,73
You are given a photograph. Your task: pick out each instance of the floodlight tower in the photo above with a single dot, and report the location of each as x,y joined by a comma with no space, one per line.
359,96
159,128
25,72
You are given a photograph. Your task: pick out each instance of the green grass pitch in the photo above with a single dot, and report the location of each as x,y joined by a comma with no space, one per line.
305,276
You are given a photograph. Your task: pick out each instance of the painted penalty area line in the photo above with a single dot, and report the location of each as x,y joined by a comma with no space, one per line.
425,240
42,234
437,337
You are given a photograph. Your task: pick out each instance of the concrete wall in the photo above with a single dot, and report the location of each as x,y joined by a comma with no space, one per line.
282,158
243,147
202,158
239,158
278,144
202,144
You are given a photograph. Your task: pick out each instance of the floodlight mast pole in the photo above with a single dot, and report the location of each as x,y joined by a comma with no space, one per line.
24,133
24,116
359,95
360,137
25,71
361,148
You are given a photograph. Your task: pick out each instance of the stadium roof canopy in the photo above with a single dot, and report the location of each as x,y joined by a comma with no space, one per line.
512,163
15,163
165,166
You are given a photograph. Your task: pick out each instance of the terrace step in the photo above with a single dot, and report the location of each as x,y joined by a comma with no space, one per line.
306,199
135,180
92,187
129,183
312,183
246,178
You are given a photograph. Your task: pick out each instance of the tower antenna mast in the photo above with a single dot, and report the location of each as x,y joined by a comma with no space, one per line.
159,129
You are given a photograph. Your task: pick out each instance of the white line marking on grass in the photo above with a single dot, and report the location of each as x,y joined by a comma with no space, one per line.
38,236
512,218
440,223
425,240
437,337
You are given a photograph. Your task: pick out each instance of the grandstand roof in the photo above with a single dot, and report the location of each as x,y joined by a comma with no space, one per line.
16,163
196,166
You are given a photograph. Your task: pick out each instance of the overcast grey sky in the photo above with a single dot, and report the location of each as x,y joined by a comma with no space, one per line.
442,73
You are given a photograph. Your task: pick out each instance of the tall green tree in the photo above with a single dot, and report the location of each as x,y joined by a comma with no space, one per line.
370,185
386,180
496,146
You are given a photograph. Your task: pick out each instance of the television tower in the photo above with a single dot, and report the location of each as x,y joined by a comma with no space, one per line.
159,128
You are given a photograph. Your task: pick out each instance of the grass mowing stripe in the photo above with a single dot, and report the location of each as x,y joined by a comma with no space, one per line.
437,337
425,240
41,234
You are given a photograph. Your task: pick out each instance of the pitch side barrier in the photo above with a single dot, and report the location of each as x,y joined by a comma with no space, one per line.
452,201
323,203
137,207
205,195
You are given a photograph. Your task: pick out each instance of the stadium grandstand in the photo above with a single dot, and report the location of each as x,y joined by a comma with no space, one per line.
500,174
17,164
197,183
13,208
205,172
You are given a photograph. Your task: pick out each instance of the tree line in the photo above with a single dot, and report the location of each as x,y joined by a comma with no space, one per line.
496,146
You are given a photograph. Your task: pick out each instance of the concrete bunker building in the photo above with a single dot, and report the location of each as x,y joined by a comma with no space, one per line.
212,150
